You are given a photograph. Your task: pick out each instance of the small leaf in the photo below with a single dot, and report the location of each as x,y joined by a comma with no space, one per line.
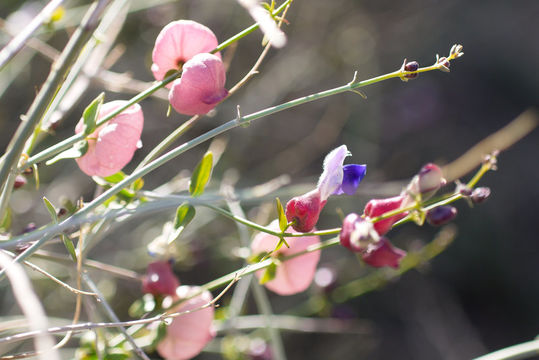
138,184
78,150
201,175
257,257
184,214
5,224
50,209
283,222
281,242
115,178
69,246
269,274
91,113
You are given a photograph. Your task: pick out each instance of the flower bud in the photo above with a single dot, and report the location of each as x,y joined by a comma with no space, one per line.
441,215
159,279
411,66
304,210
357,233
378,207
445,63
480,194
201,87
382,253
426,182
20,181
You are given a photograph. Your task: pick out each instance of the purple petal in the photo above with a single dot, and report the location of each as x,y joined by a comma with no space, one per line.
352,176
331,178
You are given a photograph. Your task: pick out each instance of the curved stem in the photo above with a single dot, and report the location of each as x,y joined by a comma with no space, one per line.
520,351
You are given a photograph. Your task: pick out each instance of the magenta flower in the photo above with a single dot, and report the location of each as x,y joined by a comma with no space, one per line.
336,179
178,43
112,145
426,182
357,233
294,275
188,333
201,87
160,279
382,253
378,207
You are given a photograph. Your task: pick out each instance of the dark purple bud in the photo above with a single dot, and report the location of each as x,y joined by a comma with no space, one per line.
28,171
29,228
62,212
382,253
411,66
159,279
304,210
19,248
441,215
444,62
426,182
480,194
20,181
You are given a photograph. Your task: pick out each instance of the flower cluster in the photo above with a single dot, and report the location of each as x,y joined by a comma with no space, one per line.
363,235
185,45
303,211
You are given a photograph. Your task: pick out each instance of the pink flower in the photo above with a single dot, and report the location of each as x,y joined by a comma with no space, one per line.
336,178
177,43
112,145
160,279
357,233
294,275
382,253
189,333
201,87
378,207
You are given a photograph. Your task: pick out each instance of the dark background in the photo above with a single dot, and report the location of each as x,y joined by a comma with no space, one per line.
481,294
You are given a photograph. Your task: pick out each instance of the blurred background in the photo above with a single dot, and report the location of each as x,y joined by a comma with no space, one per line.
479,295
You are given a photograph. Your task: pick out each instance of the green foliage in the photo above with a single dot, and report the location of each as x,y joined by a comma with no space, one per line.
91,113
201,175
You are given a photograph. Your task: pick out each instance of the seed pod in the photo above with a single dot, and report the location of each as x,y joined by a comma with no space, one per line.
480,194
441,215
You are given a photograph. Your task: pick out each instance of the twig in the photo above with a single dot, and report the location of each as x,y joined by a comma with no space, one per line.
515,352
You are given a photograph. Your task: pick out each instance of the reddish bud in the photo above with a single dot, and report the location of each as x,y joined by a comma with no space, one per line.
441,215
20,181
378,207
382,253
445,63
159,279
304,210
480,194
411,66
426,182
357,233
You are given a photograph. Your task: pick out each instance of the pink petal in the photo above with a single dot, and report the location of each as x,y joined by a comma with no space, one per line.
331,178
382,254
201,87
294,275
178,42
115,142
305,210
378,207
188,334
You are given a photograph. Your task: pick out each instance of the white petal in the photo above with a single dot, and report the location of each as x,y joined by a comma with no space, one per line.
331,178
268,26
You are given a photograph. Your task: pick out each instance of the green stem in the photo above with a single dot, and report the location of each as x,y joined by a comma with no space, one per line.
520,351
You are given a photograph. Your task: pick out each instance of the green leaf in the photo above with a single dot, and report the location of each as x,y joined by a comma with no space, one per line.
74,152
66,240
201,175
115,178
257,257
283,222
5,224
184,214
50,209
269,274
69,246
281,242
91,113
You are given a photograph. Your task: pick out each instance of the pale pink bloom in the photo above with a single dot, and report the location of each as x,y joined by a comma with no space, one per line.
188,333
177,43
201,87
112,145
294,275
